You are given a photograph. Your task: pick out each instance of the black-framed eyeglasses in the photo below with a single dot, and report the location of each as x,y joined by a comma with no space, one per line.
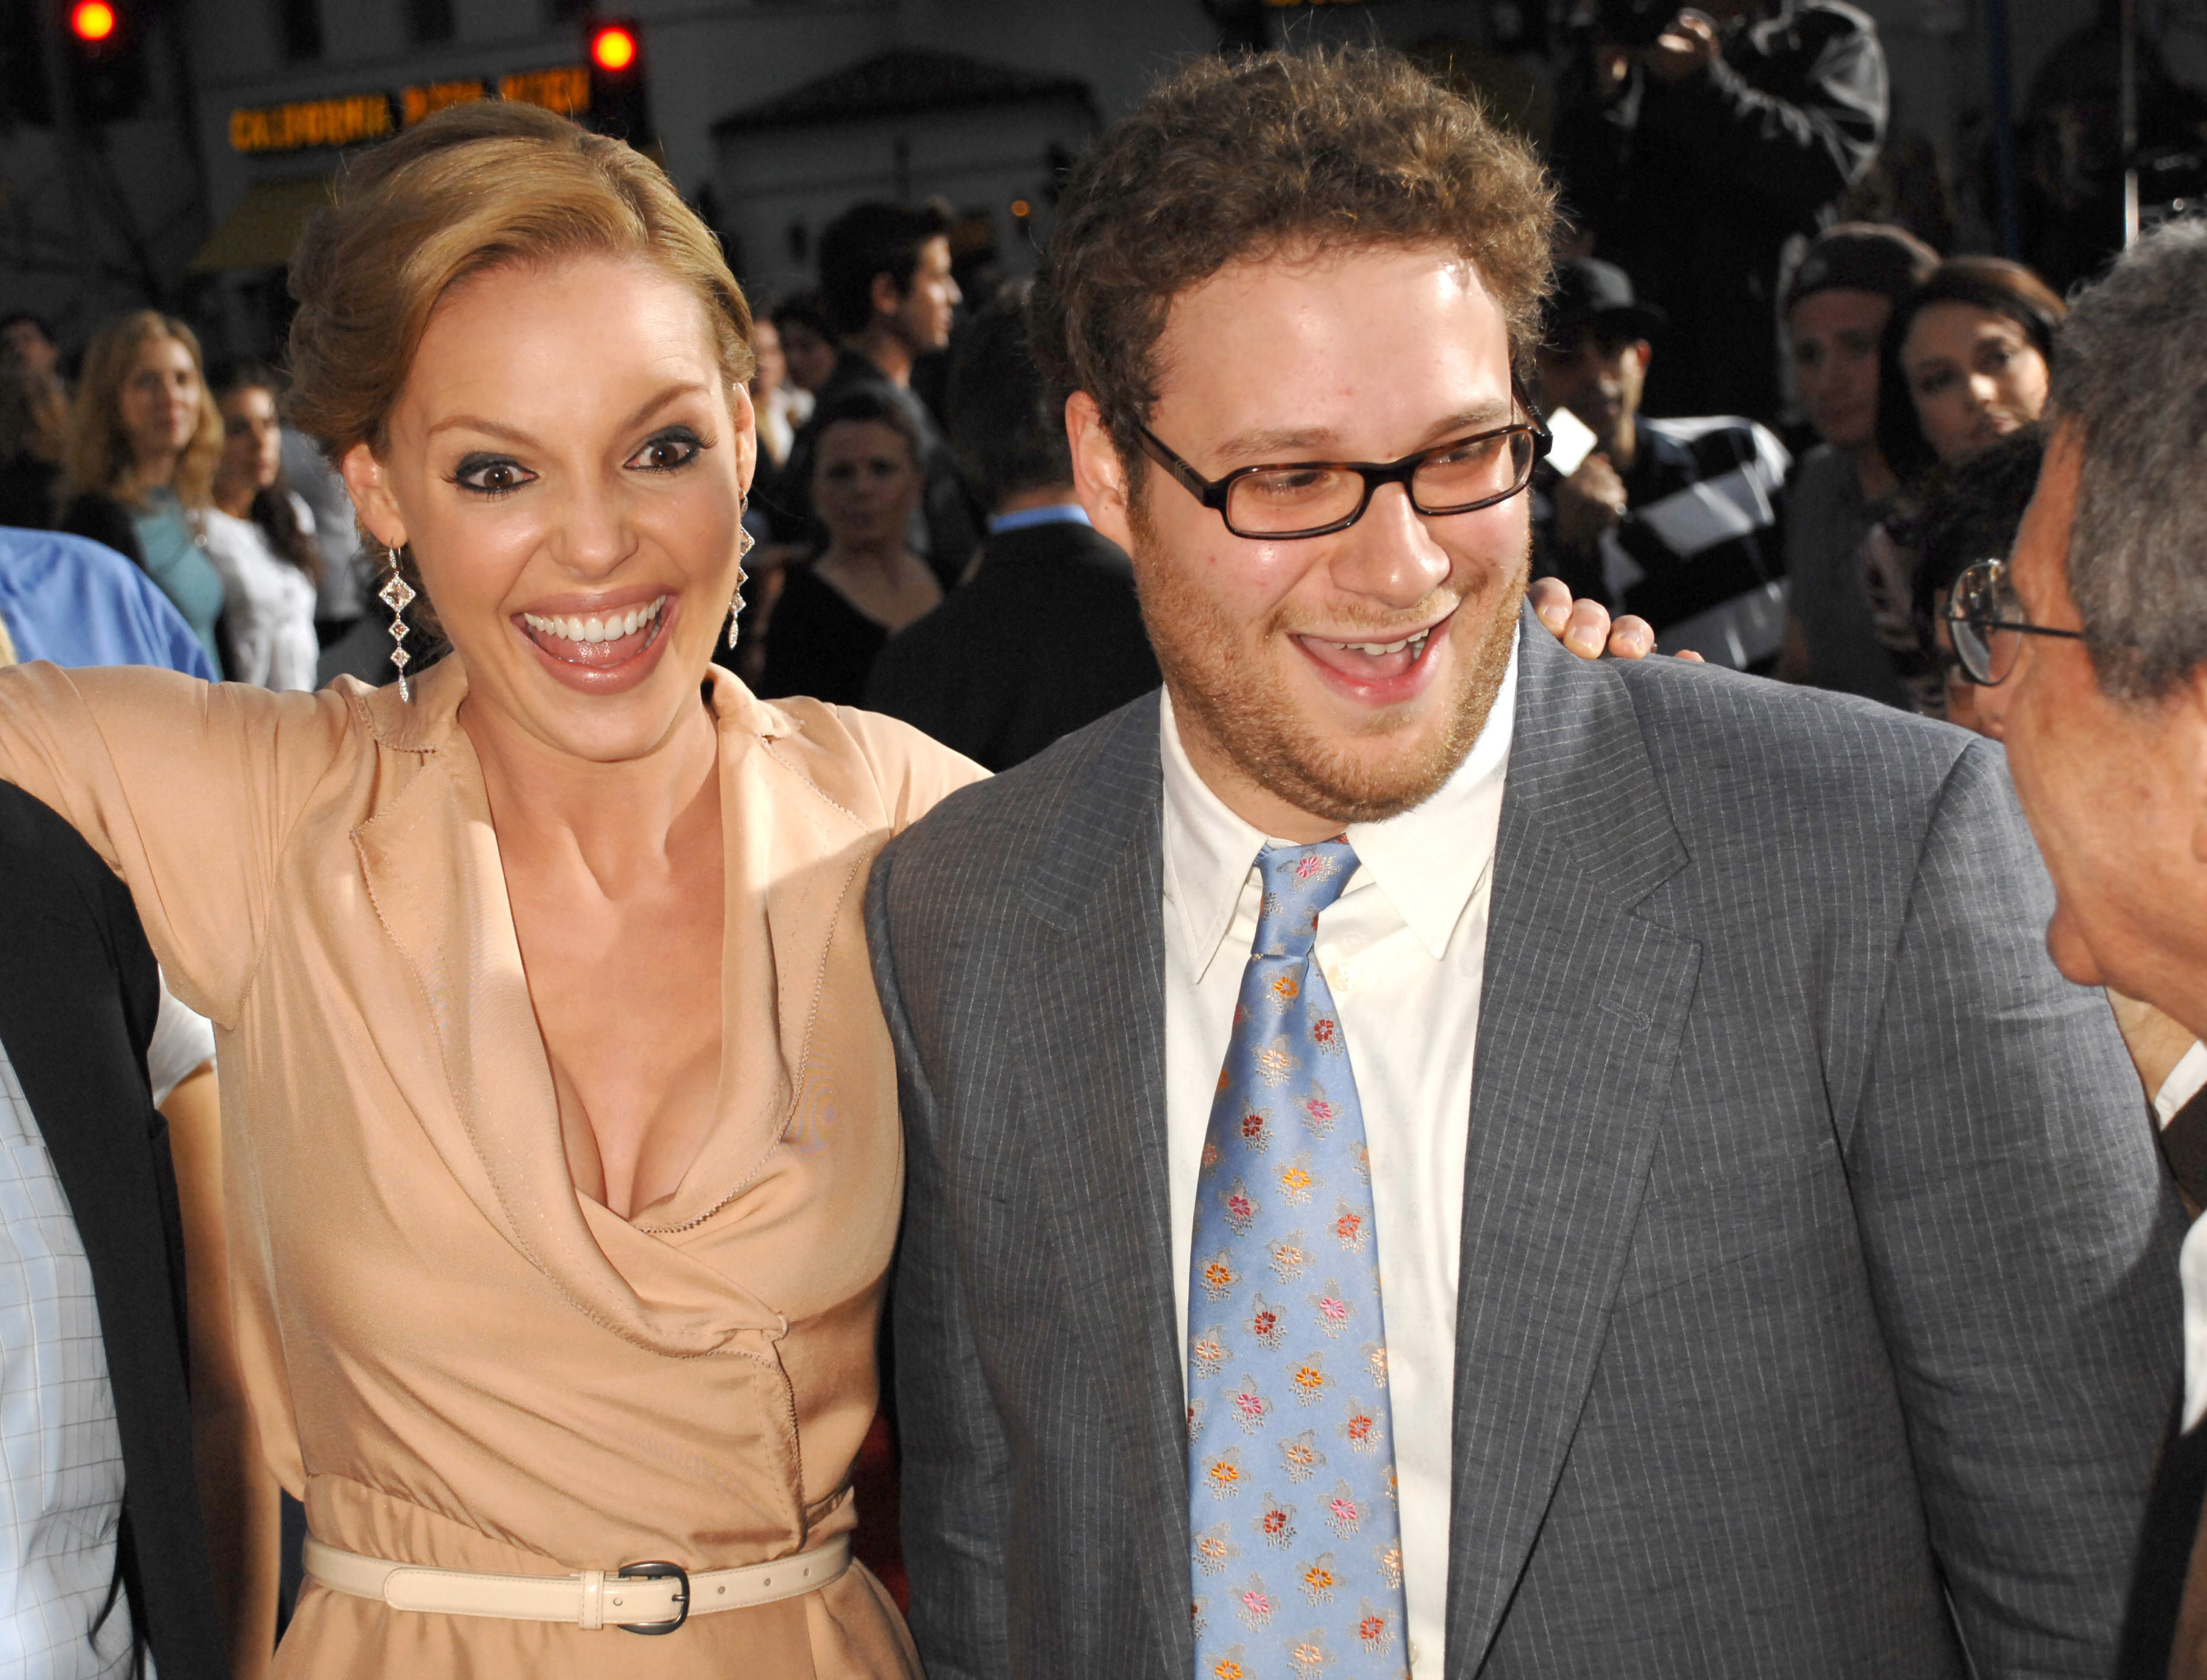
1985,617
1280,500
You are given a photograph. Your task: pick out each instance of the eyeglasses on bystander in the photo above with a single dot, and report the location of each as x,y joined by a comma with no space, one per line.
1986,617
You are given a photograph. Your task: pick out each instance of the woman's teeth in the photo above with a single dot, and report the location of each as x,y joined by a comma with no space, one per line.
610,628
1415,643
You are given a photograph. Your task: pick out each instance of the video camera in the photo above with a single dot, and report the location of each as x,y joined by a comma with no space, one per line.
2172,183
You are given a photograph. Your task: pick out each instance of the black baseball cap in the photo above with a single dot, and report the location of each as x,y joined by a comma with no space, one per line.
1590,292
1862,256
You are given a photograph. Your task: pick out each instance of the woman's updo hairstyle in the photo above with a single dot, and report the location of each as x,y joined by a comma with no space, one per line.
473,188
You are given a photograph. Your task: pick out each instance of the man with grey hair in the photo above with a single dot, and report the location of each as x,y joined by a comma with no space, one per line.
2091,644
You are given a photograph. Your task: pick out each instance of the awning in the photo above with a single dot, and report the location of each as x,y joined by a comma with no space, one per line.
263,228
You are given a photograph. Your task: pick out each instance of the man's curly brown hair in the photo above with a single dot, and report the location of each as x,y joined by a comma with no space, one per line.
1230,159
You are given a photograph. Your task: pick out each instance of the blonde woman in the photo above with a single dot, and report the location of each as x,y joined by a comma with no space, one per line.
138,472
560,1116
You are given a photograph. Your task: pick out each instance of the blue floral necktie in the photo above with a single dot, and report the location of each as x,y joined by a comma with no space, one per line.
1298,1549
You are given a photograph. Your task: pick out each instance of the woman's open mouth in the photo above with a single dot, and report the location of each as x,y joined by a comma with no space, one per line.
597,641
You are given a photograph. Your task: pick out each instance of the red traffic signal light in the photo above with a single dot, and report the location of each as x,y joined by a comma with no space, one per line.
613,46
620,99
92,20
103,58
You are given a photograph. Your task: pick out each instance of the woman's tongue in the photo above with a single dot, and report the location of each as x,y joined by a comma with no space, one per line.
1355,662
611,652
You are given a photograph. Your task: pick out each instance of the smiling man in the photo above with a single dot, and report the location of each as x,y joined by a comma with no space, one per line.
1429,1155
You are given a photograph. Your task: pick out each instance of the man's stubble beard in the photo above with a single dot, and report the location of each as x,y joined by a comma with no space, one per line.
1255,728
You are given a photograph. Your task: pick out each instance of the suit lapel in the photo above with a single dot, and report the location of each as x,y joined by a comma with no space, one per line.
1579,1034
1094,1041
65,1020
70,1012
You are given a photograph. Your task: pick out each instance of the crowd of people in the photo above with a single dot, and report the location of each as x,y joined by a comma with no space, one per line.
1413,1133
183,473
905,442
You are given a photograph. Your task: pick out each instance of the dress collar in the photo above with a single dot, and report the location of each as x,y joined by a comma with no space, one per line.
1419,860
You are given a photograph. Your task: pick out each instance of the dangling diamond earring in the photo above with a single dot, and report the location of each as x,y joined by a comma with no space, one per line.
397,595
745,543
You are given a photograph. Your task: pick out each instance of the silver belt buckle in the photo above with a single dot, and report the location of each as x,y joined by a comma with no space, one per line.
657,1571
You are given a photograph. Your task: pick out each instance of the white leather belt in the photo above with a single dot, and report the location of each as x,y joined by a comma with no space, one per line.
638,1599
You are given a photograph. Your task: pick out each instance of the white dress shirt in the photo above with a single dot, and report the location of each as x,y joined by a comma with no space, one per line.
182,1043
2183,1084
267,603
60,1453
1403,950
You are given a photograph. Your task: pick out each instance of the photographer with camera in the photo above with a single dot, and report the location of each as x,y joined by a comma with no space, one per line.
1679,520
1695,145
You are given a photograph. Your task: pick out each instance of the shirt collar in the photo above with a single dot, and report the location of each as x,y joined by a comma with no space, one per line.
1419,860
1050,513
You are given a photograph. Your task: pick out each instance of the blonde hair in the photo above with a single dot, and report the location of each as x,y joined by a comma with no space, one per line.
475,187
96,458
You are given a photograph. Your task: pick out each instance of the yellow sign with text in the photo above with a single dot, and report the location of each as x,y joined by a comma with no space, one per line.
565,89
431,97
352,118
304,124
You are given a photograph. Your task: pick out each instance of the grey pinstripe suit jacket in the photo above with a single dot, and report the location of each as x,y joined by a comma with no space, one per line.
1815,1251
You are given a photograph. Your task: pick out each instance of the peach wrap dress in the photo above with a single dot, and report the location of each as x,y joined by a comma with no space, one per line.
453,1357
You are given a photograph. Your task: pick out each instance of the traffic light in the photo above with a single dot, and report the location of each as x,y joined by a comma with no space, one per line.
101,44
619,102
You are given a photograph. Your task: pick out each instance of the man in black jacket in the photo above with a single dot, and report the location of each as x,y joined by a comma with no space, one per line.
101,1543
1047,637
885,281
1694,160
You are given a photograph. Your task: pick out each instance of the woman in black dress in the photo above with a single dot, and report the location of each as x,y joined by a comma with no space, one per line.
835,615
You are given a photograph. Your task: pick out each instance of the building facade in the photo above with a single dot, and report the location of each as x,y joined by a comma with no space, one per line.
772,115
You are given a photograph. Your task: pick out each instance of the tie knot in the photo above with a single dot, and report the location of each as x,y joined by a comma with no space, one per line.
1300,882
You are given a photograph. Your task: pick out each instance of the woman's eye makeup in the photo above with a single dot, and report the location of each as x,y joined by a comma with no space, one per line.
669,451
490,475
666,451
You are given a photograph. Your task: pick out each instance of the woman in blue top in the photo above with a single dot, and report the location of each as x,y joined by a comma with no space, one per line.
144,440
